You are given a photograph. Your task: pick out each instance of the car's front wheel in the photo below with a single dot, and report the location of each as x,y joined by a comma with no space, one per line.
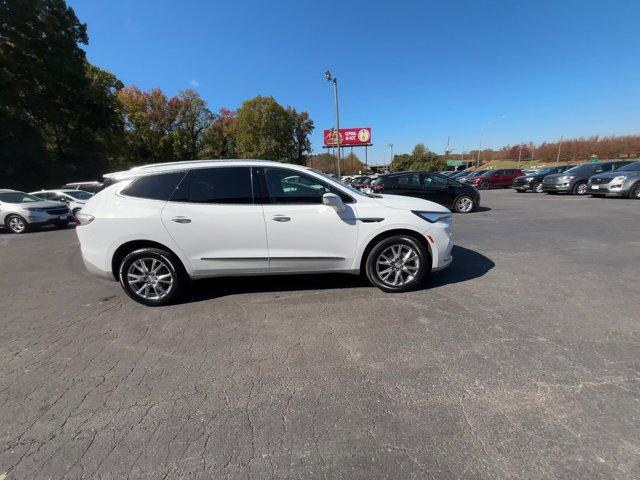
580,188
537,187
397,264
152,276
635,192
16,224
464,204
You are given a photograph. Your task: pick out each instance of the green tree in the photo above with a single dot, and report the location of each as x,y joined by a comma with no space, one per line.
192,119
401,162
150,119
57,116
264,129
302,128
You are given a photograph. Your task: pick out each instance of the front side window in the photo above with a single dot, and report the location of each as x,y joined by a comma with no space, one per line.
80,195
630,167
226,185
154,187
290,186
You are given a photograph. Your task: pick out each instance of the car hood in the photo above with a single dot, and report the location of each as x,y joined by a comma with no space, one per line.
41,204
400,202
557,175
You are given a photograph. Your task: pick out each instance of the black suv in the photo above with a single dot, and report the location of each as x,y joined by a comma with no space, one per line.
575,179
533,181
430,186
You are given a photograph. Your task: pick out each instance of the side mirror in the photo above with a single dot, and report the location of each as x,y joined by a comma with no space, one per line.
334,201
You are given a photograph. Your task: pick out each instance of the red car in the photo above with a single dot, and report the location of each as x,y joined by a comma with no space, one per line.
502,178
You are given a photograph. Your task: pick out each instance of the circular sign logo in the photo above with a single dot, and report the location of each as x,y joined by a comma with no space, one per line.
364,135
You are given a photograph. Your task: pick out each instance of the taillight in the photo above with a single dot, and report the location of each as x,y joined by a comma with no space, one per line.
377,188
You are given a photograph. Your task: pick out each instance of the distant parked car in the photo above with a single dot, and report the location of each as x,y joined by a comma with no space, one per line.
471,175
19,212
533,181
575,179
75,199
501,178
623,182
91,187
430,186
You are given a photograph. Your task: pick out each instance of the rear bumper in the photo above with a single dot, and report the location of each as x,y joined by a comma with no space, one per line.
96,270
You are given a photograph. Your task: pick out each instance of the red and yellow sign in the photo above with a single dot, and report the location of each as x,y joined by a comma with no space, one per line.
349,137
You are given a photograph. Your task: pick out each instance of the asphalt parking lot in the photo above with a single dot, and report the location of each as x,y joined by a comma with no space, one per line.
520,361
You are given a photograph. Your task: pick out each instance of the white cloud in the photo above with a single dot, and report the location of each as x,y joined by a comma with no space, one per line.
194,83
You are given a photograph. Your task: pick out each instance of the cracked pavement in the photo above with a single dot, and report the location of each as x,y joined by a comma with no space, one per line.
520,361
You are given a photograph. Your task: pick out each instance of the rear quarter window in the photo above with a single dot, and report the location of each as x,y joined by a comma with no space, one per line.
154,187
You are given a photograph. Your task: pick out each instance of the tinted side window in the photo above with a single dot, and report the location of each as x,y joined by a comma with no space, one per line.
411,179
154,187
216,185
434,181
291,186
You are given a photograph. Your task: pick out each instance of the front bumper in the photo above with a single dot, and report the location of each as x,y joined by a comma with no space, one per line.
557,187
41,220
521,185
608,189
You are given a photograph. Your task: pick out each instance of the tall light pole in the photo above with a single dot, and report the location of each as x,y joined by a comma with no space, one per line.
391,160
329,78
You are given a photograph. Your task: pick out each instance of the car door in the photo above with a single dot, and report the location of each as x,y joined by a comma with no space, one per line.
303,234
499,178
215,222
436,189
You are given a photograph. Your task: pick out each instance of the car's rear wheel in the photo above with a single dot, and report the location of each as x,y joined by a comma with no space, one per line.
635,192
152,276
17,224
397,264
537,187
580,188
485,186
464,204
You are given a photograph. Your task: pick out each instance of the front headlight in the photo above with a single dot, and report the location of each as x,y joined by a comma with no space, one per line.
566,178
619,179
433,217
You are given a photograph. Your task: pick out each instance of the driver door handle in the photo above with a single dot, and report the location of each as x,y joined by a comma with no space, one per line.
181,220
280,218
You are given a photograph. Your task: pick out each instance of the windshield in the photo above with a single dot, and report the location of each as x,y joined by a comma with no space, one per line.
18,197
541,171
631,167
487,172
580,168
80,195
342,185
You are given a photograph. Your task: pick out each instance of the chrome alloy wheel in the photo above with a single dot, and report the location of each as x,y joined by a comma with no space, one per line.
464,205
581,189
17,225
150,278
397,265
538,188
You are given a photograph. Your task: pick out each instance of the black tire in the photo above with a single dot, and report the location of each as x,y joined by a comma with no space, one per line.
464,204
580,188
537,187
16,224
379,251
170,265
485,186
635,192
520,190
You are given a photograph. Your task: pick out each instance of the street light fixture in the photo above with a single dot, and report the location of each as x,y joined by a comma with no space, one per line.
329,78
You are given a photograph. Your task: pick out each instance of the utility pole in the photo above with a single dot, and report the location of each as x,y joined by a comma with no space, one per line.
519,155
533,149
391,147
559,145
327,75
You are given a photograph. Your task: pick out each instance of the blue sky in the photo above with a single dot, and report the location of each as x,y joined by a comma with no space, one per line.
414,71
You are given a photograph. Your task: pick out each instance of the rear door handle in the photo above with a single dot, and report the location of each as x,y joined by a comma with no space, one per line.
181,220
280,218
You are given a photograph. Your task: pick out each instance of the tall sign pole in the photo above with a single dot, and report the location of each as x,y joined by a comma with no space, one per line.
327,75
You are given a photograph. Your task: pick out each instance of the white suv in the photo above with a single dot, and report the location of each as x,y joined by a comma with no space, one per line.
160,225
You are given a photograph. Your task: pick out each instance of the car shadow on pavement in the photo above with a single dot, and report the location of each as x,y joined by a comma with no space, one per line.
480,209
467,265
